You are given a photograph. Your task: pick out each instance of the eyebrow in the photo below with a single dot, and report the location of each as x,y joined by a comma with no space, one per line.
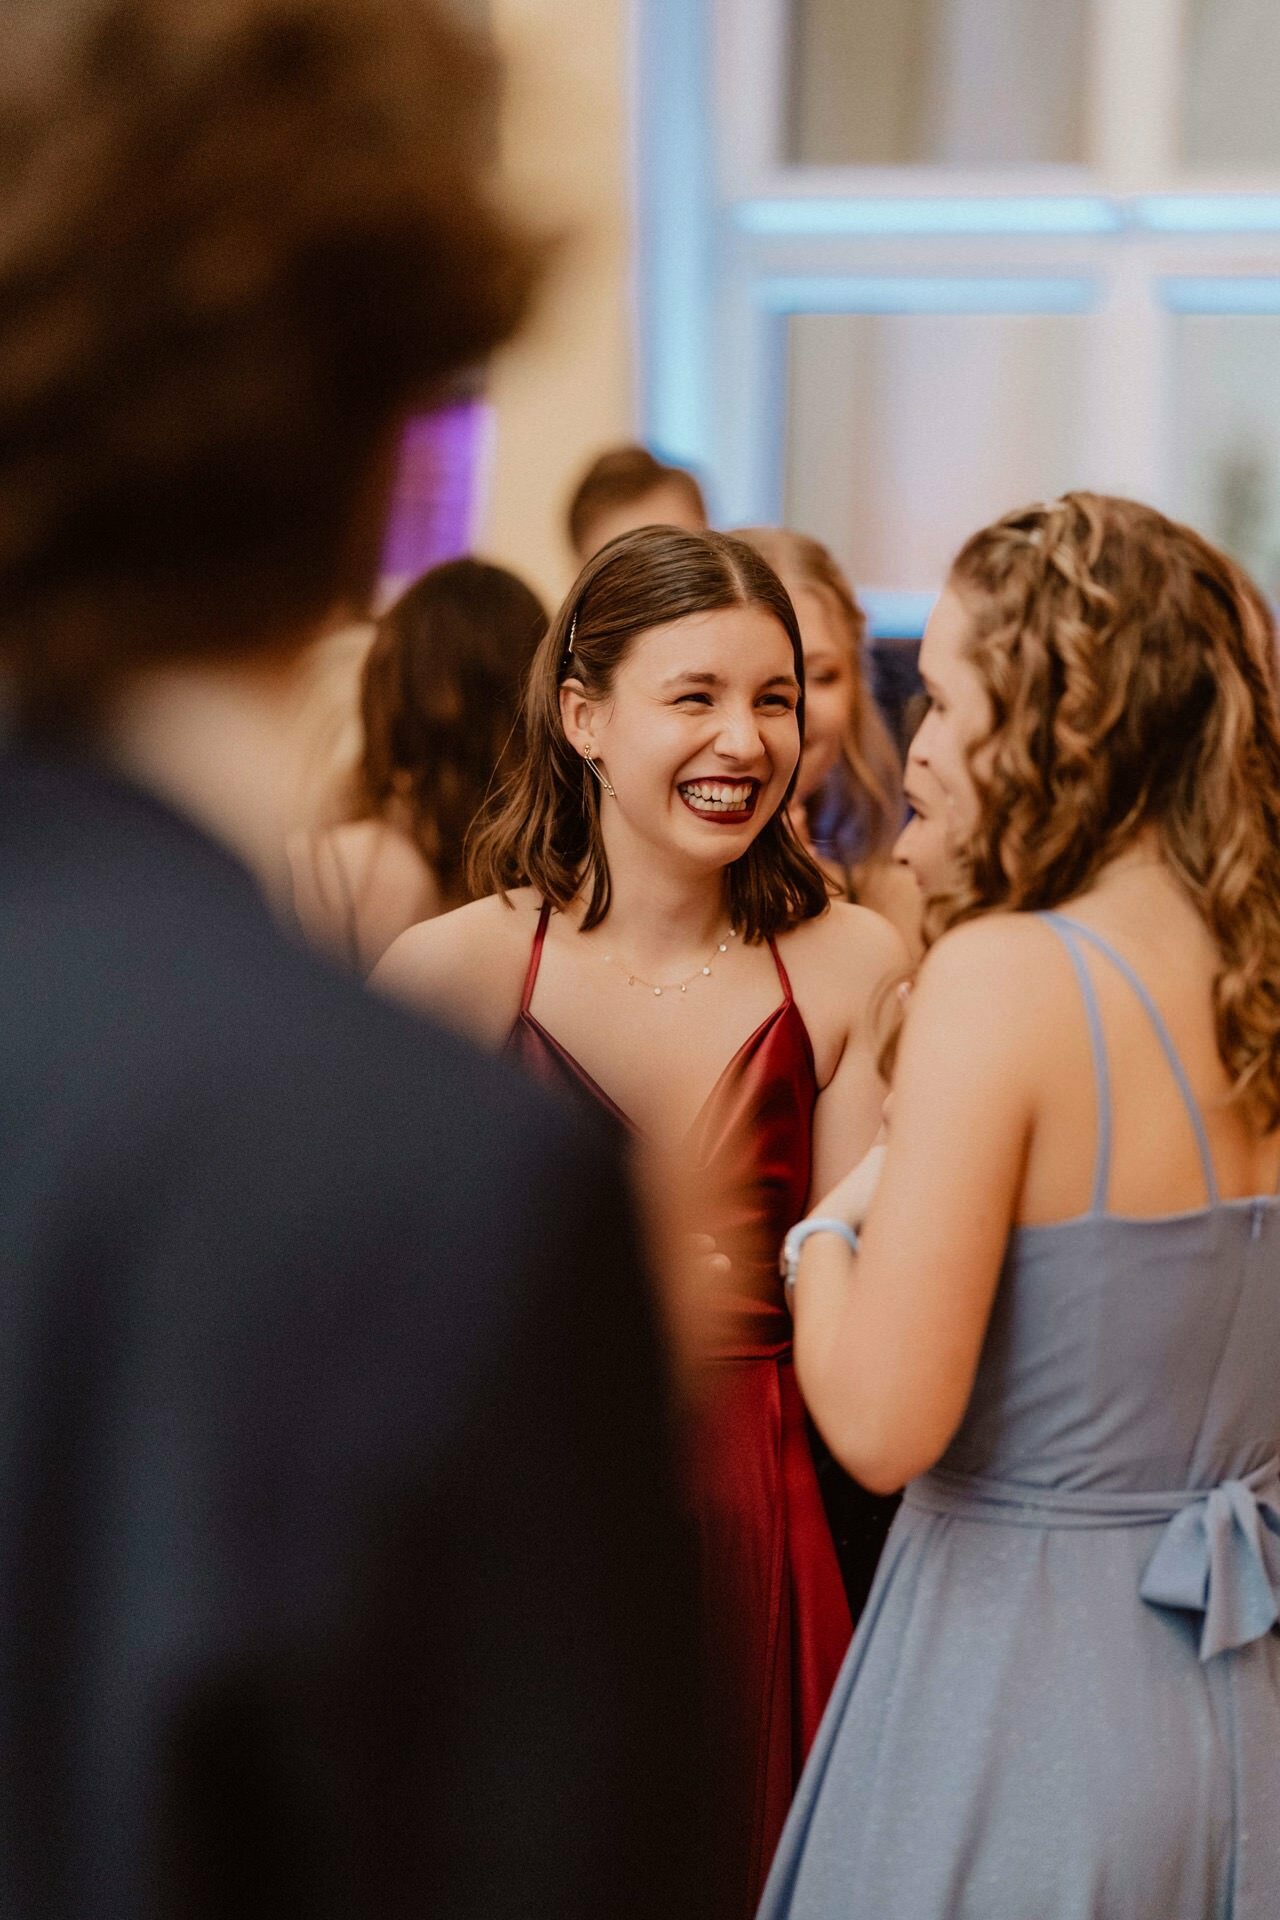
715,680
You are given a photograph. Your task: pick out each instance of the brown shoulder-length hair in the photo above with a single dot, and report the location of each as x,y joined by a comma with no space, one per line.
544,831
440,705
857,813
1131,671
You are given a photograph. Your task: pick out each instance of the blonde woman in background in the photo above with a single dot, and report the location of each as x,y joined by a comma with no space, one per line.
847,805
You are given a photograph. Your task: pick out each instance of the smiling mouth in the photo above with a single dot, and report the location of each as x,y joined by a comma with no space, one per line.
730,801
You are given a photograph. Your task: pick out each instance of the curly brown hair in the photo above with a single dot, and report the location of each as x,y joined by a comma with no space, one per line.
866,784
1131,670
240,240
440,705
544,828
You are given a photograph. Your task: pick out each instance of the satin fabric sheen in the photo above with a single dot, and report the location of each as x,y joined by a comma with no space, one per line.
777,1615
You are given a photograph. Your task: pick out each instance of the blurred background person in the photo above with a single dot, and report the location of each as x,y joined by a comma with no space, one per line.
846,807
626,488
439,720
656,941
848,798
340,1568
329,718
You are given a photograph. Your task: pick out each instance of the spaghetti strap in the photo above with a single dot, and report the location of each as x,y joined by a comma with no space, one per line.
535,957
1164,1037
783,979
1098,1048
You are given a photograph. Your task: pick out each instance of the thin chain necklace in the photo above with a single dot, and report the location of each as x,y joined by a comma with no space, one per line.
656,988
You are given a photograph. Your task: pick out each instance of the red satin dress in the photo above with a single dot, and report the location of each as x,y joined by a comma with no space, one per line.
777,1610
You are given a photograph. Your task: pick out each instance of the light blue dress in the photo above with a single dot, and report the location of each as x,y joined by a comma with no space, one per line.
1063,1698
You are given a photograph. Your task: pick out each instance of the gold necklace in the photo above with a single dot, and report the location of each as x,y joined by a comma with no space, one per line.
635,979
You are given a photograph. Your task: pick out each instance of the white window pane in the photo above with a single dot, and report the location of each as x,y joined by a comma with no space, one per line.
907,432
1231,59
1226,411
968,83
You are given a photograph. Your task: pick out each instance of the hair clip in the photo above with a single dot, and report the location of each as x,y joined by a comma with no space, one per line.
566,658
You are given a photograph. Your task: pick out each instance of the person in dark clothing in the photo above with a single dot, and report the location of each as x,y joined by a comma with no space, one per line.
341,1566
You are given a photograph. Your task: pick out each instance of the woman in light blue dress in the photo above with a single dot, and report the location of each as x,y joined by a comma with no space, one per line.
1061,1329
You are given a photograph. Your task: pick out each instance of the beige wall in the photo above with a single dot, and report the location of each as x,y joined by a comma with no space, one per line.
566,388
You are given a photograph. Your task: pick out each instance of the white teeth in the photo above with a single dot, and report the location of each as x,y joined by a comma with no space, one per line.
718,798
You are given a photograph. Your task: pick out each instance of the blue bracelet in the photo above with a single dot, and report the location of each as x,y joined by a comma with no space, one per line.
789,1259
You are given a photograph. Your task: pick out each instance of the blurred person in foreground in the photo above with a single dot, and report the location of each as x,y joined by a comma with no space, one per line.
626,488
340,1570
440,723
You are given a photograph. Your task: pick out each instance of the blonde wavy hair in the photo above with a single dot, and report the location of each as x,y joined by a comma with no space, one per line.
1131,669
868,813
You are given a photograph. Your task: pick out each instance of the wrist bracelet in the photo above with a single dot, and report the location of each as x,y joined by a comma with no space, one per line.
789,1259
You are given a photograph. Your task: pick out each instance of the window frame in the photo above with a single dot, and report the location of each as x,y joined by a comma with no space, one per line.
732,241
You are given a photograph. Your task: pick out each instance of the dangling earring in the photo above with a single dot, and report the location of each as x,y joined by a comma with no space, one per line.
607,784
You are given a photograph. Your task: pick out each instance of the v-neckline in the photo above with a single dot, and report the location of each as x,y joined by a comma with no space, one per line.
610,1104
588,1080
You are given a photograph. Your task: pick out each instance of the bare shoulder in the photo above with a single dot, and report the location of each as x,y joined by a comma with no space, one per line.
468,966
996,982
842,968
374,847
1008,950
852,946
361,840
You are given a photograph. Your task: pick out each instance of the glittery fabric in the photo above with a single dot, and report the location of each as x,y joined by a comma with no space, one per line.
1063,1698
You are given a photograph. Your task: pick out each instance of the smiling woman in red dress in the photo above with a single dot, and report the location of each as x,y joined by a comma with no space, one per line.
657,941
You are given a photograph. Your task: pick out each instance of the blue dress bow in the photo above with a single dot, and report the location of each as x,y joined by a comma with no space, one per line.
1220,1556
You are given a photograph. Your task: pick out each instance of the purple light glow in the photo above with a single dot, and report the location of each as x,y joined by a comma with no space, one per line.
433,504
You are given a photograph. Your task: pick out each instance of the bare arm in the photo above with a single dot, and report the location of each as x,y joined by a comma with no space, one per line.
887,1343
466,967
848,1114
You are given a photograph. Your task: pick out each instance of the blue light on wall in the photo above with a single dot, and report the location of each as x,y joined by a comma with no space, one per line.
1209,212
894,615
674,229
923,293
815,218
1189,293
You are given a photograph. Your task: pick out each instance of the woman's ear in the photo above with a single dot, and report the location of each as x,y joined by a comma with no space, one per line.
576,713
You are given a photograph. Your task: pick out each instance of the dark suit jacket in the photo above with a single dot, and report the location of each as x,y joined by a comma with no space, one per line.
340,1567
